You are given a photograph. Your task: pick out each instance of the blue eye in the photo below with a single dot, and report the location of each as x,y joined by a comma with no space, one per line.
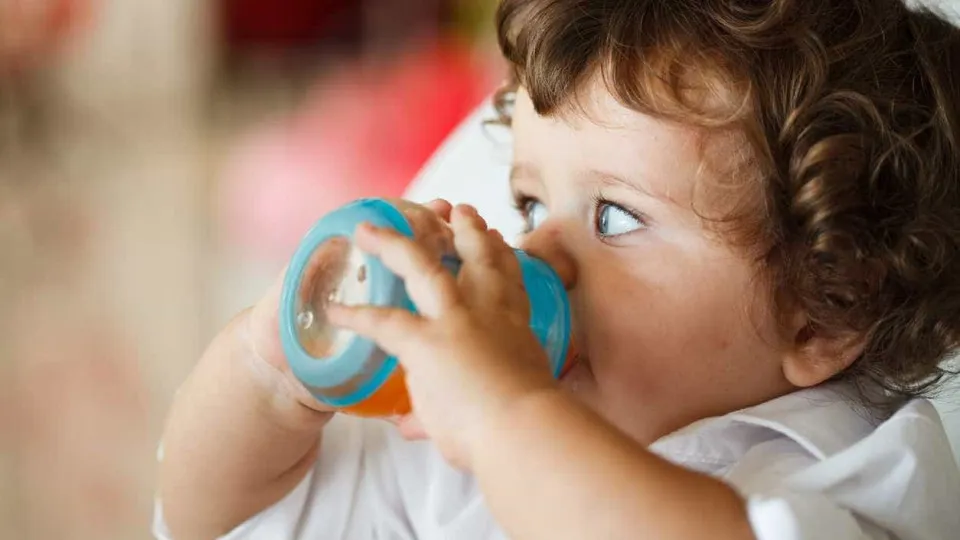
613,220
534,214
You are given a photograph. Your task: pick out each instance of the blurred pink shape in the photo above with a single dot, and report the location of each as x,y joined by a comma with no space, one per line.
361,134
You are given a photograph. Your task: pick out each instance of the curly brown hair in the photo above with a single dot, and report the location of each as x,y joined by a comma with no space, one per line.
852,109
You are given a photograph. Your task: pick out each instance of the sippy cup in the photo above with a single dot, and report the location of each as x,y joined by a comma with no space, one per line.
349,372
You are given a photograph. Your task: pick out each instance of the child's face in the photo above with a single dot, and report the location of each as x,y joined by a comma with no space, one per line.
671,321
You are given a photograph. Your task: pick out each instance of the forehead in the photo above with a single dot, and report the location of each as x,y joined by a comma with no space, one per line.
597,128
684,163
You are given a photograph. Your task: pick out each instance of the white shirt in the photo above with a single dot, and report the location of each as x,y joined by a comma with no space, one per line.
810,466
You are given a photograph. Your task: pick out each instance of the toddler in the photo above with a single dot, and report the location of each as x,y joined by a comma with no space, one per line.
755,207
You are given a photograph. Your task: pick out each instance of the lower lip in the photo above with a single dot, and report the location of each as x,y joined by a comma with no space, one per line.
571,365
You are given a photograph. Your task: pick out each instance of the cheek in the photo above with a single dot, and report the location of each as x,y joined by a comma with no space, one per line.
647,328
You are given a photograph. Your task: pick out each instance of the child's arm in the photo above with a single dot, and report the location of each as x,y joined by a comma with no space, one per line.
552,469
243,431
239,436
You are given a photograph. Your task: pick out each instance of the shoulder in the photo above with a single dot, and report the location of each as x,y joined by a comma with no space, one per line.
816,453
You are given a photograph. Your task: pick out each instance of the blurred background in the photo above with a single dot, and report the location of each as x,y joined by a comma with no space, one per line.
159,160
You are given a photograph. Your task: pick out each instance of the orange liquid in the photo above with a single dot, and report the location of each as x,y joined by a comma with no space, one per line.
391,399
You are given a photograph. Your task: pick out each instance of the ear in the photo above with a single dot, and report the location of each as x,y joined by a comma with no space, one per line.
816,356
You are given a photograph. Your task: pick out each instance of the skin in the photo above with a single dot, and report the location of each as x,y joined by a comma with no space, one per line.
667,309
669,319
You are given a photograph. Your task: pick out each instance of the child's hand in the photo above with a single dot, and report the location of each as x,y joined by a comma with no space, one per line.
259,326
469,354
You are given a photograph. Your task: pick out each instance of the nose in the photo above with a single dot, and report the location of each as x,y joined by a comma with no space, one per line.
546,243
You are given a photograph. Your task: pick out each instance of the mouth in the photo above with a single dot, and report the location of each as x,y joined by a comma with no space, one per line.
574,359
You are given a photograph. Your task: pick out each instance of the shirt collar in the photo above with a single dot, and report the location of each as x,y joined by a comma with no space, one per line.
823,420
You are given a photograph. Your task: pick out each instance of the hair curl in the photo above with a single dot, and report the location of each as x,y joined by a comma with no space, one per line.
852,108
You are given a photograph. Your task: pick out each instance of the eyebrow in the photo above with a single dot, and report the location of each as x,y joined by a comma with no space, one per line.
609,179
522,169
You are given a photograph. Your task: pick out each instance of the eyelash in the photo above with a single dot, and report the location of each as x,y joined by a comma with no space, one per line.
521,203
599,201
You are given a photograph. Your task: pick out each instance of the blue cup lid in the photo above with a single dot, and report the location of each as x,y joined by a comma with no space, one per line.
354,368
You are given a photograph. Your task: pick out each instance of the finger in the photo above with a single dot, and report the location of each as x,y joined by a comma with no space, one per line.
478,245
429,223
391,328
467,210
471,239
432,232
431,287
491,274
411,428
440,207
510,265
